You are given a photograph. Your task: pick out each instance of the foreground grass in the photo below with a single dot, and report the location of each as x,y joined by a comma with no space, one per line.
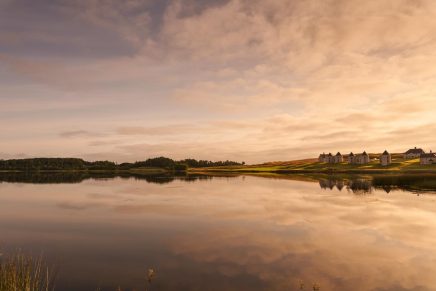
25,273
20,272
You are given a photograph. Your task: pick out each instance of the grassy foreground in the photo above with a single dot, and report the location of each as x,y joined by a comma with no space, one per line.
399,165
22,272
19,272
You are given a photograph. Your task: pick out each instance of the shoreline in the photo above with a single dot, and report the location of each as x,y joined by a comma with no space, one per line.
398,166
309,166
329,172
226,171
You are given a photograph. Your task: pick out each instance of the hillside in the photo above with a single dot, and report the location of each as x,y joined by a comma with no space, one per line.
313,166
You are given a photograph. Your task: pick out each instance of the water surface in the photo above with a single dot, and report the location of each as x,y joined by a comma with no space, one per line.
225,233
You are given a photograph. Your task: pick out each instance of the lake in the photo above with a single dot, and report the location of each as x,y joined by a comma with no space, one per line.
225,233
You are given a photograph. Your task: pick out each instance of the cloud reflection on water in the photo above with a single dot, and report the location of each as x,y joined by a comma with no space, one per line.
226,234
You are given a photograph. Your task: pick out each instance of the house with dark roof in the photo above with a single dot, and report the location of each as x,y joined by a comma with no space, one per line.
338,158
413,153
351,158
326,158
362,158
385,158
427,159
322,158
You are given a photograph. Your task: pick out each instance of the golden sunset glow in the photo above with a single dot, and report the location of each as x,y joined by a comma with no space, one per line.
226,79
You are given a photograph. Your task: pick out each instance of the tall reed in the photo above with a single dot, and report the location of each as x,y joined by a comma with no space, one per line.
20,272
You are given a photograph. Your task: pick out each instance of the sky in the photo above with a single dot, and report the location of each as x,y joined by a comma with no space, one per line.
244,80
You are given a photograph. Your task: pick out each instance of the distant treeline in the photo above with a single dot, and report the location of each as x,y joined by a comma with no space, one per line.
47,164
162,162
52,164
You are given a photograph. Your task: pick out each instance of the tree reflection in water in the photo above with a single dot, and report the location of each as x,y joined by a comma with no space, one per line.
364,185
416,183
78,177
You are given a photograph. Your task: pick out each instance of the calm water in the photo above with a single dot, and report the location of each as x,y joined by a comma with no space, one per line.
225,233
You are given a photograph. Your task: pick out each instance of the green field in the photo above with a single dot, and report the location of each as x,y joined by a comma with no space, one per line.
313,166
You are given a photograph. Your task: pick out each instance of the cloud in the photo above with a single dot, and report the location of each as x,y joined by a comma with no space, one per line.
252,77
74,133
271,238
64,29
176,129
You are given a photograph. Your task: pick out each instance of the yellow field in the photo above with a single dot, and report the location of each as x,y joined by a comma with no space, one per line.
312,165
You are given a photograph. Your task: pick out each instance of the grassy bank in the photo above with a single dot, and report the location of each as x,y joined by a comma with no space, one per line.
398,165
307,166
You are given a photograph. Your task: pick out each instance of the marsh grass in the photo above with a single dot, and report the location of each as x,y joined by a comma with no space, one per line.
20,272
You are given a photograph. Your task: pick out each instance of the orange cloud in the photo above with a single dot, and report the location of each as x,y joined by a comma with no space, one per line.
295,77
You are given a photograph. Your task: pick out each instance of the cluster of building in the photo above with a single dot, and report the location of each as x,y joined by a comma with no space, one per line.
385,158
362,158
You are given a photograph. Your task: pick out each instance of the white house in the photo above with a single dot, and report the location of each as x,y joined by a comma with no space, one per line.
362,158
322,158
428,159
385,158
330,158
326,158
338,158
351,158
413,153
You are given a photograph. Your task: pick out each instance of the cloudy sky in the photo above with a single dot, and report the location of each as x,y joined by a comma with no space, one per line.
247,80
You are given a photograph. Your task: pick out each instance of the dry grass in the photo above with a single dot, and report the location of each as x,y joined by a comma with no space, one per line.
20,272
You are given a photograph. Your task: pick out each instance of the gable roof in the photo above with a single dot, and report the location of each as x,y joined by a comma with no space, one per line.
415,151
338,154
385,153
351,154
